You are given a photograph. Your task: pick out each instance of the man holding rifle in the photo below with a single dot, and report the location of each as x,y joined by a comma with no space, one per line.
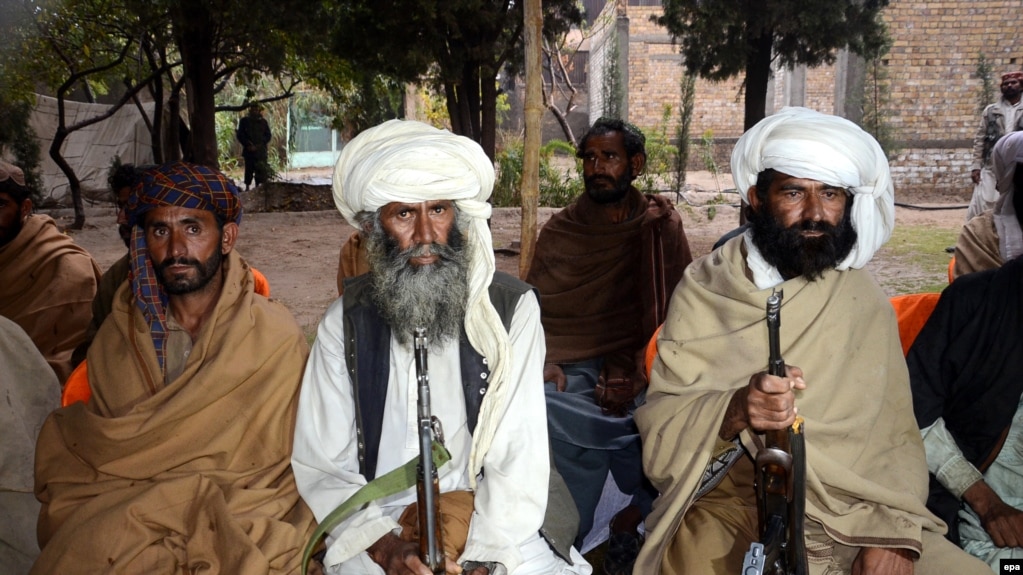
820,204
418,195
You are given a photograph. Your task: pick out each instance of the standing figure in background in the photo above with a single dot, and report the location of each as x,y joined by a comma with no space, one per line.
254,135
998,119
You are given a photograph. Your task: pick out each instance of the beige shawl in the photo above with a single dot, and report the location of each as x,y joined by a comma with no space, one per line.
194,475
977,246
866,471
47,283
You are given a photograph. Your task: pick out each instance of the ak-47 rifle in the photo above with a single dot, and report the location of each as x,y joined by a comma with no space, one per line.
780,482
431,546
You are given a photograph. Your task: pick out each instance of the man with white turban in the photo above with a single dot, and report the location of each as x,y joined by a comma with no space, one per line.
820,204
966,371
418,195
994,237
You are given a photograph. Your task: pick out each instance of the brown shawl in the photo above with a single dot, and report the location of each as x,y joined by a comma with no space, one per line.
604,286
47,283
866,471
977,246
194,475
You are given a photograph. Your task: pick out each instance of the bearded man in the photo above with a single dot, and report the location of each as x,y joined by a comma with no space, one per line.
47,282
418,195
995,236
605,267
1003,117
821,203
180,461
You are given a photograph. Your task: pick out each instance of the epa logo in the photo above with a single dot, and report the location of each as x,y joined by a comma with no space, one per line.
1010,566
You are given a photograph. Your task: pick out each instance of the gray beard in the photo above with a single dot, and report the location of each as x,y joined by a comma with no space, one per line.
432,297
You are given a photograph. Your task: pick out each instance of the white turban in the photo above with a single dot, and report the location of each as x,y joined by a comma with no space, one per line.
412,162
1008,152
803,143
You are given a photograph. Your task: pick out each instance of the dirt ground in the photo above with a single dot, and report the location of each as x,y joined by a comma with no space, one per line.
298,250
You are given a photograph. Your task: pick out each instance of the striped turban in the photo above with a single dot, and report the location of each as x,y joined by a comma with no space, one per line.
182,185
803,143
411,162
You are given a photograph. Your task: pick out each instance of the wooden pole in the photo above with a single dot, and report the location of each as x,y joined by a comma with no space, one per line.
533,111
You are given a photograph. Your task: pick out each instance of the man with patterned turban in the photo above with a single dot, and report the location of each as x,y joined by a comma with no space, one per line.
418,195
995,236
820,204
180,460
47,282
1003,117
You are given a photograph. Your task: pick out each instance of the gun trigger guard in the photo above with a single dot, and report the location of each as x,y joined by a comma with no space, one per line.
438,429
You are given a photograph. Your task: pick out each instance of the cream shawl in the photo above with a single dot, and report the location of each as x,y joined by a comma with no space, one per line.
866,471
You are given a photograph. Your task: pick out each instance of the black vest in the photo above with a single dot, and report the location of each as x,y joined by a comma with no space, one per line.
367,340
367,350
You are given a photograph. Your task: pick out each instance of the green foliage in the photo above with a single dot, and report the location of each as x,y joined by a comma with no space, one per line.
687,90
660,155
18,138
715,37
721,40
557,188
876,109
611,90
986,94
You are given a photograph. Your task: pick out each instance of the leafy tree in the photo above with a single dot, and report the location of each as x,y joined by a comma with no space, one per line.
461,45
720,40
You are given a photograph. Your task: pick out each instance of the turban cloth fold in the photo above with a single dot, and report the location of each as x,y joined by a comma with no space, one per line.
1010,75
11,172
803,143
1005,158
177,184
412,162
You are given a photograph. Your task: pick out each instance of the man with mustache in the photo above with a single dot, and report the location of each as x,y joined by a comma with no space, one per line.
821,202
418,196
605,267
47,281
1003,117
180,460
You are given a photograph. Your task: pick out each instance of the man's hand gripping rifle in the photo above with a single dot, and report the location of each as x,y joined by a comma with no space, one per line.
431,546
780,482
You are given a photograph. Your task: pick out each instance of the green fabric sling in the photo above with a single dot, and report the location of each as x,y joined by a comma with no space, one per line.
390,483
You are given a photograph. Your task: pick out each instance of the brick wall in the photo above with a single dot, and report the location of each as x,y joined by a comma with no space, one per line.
931,71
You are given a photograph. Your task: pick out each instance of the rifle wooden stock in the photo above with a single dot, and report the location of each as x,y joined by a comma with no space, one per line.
431,545
780,481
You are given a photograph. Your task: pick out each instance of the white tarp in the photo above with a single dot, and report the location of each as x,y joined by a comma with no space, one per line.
91,150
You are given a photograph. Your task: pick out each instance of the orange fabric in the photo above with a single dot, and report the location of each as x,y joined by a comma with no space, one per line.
76,388
352,261
912,311
262,287
651,351
951,269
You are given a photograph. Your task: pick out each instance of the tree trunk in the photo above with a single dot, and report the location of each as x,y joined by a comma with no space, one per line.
197,55
74,185
488,112
530,191
471,94
758,72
